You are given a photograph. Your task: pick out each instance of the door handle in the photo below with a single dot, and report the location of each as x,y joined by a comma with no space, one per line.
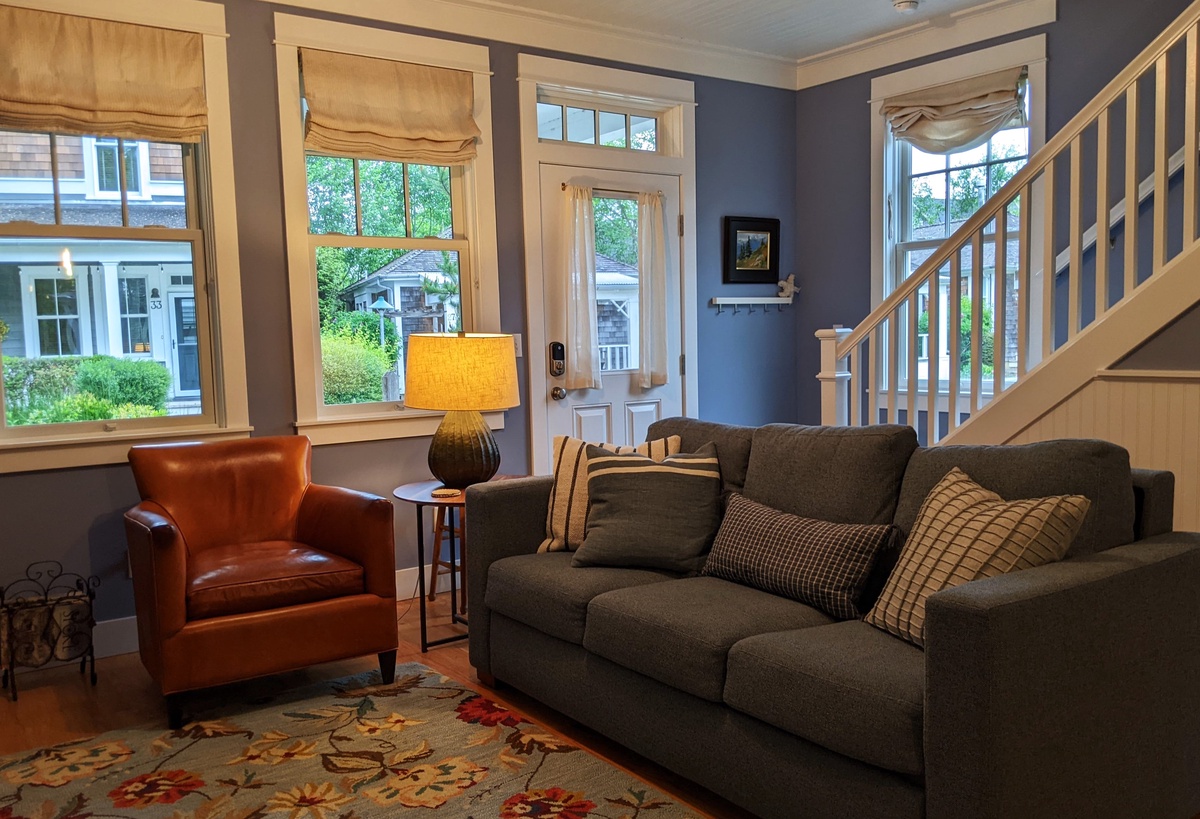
558,393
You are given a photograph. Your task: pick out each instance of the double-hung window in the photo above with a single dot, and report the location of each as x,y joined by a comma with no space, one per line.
926,191
390,214
102,219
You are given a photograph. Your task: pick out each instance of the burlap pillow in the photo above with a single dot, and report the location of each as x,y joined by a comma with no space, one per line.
566,516
963,533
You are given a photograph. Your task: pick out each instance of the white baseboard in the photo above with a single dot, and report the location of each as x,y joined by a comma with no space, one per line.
119,636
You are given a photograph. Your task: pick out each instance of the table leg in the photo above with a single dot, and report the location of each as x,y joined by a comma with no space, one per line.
453,565
421,577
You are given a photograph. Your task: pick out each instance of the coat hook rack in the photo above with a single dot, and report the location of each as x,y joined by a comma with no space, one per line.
787,291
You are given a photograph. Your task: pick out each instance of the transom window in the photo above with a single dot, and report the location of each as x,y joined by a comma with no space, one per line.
589,125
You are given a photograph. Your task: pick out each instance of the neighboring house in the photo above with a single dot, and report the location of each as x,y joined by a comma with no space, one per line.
114,297
402,284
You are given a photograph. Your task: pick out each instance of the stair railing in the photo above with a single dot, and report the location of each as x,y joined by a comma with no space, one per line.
881,372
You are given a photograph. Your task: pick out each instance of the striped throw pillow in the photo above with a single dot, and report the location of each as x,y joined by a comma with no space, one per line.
568,510
651,515
963,533
825,565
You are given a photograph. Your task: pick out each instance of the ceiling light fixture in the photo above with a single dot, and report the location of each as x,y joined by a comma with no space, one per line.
905,6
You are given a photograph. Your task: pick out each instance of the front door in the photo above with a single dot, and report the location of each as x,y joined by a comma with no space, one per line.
622,410
185,345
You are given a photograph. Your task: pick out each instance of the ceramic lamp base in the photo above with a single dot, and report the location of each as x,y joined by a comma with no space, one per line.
463,450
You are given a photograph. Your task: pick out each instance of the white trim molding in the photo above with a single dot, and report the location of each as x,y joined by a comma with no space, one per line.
481,292
490,20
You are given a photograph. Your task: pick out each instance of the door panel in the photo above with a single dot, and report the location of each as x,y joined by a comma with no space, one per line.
621,411
186,344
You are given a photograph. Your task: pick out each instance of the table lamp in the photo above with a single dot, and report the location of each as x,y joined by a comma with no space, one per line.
463,374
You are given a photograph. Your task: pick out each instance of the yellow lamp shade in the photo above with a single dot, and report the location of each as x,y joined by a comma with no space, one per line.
461,371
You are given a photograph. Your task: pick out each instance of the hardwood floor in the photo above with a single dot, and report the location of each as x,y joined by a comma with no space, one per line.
57,705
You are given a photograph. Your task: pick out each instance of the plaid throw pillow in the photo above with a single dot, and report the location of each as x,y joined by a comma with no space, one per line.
965,532
825,565
566,516
651,515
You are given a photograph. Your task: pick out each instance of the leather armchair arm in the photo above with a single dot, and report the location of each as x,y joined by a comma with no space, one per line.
158,559
355,525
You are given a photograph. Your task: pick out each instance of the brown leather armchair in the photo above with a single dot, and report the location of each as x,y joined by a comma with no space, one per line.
243,567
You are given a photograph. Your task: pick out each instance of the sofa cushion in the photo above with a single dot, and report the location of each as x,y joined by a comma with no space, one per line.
847,687
566,516
651,515
824,564
245,577
545,592
838,474
732,443
1097,470
964,533
680,632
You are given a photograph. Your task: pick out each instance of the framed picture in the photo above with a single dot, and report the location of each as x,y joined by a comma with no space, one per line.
751,250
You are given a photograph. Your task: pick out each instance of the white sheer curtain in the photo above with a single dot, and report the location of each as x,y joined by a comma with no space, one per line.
958,116
583,340
652,290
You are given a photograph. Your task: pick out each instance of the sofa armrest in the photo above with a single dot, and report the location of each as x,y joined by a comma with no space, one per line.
1154,493
158,562
504,518
355,525
1068,689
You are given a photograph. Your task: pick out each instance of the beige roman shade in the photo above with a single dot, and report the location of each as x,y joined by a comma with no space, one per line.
959,116
370,108
77,75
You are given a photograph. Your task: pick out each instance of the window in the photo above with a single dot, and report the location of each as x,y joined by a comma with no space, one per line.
379,248
102,233
924,198
588,125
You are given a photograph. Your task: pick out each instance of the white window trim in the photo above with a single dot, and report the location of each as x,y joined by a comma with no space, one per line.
675,100
340,425
1030,52
231,418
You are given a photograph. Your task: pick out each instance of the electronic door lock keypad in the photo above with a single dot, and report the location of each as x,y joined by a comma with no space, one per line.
558,359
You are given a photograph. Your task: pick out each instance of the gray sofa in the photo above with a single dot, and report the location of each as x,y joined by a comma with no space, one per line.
1067,690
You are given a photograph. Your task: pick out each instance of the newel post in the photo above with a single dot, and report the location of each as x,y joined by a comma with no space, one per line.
833,377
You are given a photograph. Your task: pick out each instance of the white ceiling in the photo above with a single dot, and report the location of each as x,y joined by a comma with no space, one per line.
789,29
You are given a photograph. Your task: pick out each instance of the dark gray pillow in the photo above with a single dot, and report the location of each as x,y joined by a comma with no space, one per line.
651,515
826,565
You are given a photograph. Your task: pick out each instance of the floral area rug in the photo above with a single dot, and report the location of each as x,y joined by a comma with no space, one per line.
347,749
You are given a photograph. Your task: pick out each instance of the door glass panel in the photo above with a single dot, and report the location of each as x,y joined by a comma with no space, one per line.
616,282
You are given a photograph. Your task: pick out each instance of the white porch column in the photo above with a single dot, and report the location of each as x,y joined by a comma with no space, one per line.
109,336
834,376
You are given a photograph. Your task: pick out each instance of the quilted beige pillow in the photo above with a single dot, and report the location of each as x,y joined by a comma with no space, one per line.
963,533
566,517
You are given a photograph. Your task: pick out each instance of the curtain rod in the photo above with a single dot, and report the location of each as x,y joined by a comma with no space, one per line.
613,190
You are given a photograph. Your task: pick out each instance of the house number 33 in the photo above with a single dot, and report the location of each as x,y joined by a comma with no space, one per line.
156,304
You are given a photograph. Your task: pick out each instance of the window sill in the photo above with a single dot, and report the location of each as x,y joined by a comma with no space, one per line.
67,451
409,424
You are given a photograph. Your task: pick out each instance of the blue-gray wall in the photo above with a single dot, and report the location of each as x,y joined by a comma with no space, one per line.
1092,41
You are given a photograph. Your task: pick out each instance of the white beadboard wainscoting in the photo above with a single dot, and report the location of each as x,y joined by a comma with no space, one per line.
1155,414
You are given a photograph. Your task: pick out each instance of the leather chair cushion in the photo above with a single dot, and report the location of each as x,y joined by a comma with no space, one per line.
246,577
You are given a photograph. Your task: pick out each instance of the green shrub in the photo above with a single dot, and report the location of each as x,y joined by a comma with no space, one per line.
364,327
36,383
83,406
141,382
352,370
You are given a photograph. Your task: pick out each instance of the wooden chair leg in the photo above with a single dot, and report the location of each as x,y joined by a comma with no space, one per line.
439,530
174,711
387,666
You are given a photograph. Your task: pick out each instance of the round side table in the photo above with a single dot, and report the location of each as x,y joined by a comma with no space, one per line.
420,494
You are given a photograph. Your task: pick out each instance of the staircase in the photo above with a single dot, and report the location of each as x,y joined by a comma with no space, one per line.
1124,170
